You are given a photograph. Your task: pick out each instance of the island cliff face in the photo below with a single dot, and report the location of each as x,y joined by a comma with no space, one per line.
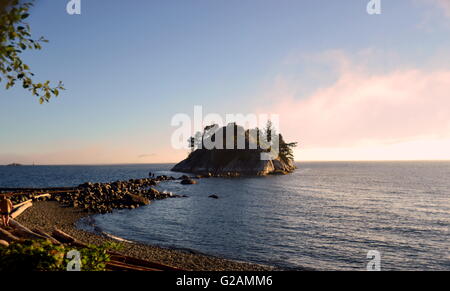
232,163
234,160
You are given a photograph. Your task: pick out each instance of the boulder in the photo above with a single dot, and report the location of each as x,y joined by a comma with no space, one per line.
132,199
188,182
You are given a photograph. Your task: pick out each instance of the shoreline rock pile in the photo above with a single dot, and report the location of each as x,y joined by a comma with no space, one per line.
99,197
102,198
105,197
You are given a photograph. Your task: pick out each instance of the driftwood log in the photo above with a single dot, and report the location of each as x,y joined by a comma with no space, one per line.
118,262
126,260
67,239
18,191
7,236
47,195
119,266
21,204
23,232
20,209
46,235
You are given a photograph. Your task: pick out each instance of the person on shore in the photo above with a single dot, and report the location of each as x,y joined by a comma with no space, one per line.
6,207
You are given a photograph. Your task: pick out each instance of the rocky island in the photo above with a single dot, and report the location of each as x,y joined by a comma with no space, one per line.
14,165
216,152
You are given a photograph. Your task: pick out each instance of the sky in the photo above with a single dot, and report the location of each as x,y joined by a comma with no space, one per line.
345,84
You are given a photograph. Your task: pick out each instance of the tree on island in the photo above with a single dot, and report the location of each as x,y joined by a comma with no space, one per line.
262,139
15,38
286,149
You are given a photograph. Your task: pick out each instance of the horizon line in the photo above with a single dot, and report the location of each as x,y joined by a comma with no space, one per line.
167,163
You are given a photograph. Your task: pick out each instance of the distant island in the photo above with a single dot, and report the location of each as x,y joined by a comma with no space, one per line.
261,152
14,165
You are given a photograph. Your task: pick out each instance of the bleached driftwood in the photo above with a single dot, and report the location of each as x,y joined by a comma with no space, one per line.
42,196
19,210
23,203
31,200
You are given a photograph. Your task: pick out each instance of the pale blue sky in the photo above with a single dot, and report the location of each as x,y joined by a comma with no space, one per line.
129,66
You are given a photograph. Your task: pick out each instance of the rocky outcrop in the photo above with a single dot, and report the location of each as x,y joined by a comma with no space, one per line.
188,182
232,163
104,197
99,197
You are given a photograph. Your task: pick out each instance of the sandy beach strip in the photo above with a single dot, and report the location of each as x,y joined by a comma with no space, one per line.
48,215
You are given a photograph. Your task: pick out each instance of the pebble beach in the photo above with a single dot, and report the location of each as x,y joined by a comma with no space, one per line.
47,215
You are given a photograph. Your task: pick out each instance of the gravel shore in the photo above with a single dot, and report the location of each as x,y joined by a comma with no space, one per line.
48,215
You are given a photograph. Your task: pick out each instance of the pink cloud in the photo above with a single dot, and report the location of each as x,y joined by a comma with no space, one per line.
363,109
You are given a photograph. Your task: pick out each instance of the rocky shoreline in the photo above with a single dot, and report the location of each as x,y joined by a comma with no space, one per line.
103,197
49,214
63,209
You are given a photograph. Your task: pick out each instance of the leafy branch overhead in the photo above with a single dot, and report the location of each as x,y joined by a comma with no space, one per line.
15,38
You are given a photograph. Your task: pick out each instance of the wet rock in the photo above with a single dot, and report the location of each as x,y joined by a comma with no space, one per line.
136,199
105,197
86,185
188,182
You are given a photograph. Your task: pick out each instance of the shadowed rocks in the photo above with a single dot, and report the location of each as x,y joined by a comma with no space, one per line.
105,197
188,182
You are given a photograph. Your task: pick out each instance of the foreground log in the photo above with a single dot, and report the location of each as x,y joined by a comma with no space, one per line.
140,263
7,236
66,238
44,234
4,243
23,232
119,266
120,262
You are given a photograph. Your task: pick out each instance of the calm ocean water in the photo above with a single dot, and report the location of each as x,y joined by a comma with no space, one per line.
325,215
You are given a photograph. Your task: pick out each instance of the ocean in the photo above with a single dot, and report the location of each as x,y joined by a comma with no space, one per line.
326,215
